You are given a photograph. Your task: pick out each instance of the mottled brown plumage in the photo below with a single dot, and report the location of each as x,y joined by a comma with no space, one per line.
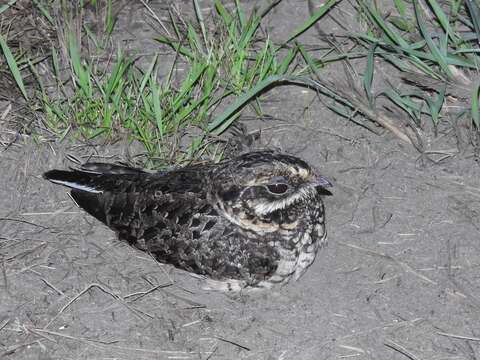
254,220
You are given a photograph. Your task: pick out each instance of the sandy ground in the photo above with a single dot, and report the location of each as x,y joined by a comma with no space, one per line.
398,280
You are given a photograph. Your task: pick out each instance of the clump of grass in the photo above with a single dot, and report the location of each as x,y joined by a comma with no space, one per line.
227,65
19,27
444,50
434,48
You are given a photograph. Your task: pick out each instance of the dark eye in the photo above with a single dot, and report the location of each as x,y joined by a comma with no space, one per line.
277,189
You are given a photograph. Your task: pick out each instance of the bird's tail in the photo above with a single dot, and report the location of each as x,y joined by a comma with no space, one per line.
91,177
75,179
98,188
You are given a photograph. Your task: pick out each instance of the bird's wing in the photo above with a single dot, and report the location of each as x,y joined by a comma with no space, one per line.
112,169
171,226
98,178
169,215
113,193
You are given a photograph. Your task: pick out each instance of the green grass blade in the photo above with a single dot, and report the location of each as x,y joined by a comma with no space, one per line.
442,19
468,36
401,8
340,110
475,108
377,19
240,14
228,21
474,11
438,56
222,122
250,28
56,64
116,75
7,5
417,45
368,75
12,65
287,60
224,14
37,77
314,68
175,45
417,56
91,36
198,13
173,21
402,23
309,60
450,59
193,77
394,60
44,12
325,8
455,6
435,106
81,72
410,107
467,51
109,18
194,41
157,108
146,77
190,109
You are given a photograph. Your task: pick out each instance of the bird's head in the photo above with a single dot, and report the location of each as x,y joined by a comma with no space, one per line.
266,186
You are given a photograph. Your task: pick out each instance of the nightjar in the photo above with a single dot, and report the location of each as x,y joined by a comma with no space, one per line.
254,220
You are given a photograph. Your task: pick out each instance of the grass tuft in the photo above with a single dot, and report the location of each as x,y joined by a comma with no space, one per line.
433,49
224,61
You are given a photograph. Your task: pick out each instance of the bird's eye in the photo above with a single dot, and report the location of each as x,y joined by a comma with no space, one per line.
277,189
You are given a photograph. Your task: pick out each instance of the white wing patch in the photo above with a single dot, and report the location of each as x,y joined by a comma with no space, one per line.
74,185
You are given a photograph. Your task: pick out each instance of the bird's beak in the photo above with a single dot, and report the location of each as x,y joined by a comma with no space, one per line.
322,181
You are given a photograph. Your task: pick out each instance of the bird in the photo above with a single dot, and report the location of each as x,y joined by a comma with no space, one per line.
255,220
